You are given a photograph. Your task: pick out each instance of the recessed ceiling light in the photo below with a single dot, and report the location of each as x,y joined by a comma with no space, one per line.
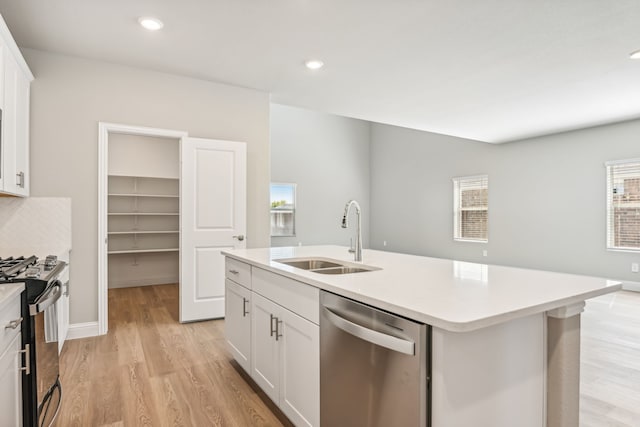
151,24
313,64
635,55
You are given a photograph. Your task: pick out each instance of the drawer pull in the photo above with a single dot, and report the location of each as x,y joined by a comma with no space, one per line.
234,271
14,324
27,359
273,330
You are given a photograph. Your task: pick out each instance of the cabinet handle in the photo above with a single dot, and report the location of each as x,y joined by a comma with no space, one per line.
20,181
27,359
240,237
244,307
234,271
278,334
14,324
273,330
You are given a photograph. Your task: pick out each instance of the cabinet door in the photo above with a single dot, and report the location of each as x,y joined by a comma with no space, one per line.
300,370
22,135
237,323
9,176
11,384
264,346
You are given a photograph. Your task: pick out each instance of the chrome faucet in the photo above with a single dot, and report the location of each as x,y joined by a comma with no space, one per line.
358,250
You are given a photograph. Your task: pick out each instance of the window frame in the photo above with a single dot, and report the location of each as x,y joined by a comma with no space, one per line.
293,211
609,208
457,211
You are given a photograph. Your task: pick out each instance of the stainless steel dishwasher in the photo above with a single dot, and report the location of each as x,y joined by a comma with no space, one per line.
375,367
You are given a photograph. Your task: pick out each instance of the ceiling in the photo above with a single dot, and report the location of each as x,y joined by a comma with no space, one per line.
488,70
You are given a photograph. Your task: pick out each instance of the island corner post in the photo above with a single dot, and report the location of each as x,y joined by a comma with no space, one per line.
563,365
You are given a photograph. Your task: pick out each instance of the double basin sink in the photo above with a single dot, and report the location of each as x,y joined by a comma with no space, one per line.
325,265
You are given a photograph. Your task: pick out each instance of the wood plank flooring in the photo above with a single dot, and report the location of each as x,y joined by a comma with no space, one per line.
150,370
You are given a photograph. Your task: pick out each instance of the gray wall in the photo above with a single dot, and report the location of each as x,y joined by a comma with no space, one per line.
547,205
70,96
327,157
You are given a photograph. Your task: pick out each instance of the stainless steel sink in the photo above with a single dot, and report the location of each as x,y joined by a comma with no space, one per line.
325,266
343,270
308,264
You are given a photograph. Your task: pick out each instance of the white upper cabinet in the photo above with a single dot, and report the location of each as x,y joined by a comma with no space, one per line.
15,81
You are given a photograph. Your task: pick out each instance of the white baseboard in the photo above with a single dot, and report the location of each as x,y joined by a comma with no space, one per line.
146,281
82,330
631,286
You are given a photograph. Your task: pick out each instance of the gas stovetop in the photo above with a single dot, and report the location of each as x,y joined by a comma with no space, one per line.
35,274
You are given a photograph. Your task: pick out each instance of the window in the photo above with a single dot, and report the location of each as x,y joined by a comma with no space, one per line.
283,209
471,208
623,205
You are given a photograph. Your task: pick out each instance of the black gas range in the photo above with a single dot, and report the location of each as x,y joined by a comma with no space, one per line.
41,389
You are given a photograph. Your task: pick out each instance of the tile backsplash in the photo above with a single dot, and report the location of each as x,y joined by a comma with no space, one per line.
34,224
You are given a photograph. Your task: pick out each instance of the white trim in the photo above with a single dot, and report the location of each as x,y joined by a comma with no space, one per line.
14,49
104,128
567,311
631,286
621,162
82,330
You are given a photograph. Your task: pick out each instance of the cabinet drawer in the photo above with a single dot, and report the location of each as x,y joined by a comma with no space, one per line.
239,272
8,314
295,296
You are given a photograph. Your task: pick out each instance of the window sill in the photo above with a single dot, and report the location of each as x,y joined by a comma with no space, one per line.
470,240
627,250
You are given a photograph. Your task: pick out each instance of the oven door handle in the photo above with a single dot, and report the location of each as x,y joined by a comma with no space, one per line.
47,299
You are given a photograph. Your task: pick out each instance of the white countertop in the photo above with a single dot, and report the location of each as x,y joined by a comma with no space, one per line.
452,295
8,291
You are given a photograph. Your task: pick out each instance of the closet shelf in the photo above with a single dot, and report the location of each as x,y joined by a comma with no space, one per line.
142,251
145,232
144,213
169,196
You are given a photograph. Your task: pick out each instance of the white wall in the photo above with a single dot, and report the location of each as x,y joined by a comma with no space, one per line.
70,96
327,157
547,205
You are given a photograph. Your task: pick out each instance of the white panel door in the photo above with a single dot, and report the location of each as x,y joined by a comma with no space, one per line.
212,219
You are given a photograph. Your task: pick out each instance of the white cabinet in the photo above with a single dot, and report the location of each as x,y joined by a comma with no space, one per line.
238,322
285,355
15,82
271,325
63,307
10,364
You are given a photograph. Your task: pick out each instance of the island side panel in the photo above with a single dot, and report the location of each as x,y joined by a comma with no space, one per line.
491,377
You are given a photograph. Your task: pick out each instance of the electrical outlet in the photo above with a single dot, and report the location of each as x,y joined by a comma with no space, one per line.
384,243
634,267
299,243
485,252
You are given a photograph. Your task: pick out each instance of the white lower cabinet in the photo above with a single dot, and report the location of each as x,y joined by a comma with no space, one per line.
11,383
238,322
286,360
272,331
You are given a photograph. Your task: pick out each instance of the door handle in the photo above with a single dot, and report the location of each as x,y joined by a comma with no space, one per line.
240,237
374,337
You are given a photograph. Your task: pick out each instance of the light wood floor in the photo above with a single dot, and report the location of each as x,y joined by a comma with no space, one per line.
150,370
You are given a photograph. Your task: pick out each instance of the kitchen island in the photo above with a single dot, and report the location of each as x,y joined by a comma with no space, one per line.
504,341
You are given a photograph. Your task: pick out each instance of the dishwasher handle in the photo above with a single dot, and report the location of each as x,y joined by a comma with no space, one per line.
384,340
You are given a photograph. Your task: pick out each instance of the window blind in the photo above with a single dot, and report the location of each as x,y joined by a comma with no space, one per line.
471,208
623,204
